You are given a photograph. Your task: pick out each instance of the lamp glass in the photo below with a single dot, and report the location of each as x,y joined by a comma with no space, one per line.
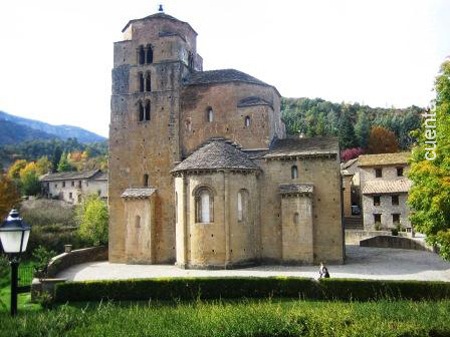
11,240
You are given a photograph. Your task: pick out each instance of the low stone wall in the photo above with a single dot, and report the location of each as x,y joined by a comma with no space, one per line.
66,260
395,242
354,236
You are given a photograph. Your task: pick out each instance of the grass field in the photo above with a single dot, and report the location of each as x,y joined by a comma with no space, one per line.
236,318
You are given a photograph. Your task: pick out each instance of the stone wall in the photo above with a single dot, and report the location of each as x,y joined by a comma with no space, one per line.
394,242
66,260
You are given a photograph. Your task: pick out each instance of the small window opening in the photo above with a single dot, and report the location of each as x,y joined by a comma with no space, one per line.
141,111
141,82
145,180
141,55
247,121
137,222
378,173
399,171
376,200
73,183
148,84
296,218
63,184
294,172
190,61
396,218
377,218
149,58
209,115
147,110
395,200
204,206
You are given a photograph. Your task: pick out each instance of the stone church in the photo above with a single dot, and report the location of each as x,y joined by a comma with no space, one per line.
201,171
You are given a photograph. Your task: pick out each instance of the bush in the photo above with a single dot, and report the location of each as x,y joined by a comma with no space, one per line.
215,288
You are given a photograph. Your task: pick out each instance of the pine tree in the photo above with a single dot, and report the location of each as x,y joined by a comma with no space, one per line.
347,138
362,129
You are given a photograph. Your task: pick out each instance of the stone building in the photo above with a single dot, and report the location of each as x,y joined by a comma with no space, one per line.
384,188
201,172
73,186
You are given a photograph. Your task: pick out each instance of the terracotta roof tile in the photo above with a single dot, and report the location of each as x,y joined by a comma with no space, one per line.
384,159
221,76
303,147
386,186
296,188
138,193
69,175
217,154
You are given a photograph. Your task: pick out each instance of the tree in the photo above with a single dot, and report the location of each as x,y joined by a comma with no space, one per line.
43,166
57,153
14,170
9,195
382,140
347,138
29,180
92,216
430,194
362,129
64,165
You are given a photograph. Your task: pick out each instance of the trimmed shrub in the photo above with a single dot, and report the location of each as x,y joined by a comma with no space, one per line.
234,287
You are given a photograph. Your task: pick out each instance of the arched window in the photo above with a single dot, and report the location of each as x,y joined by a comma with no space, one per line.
149,58
247,121
242,205
209,115
141,82
141,111
148,83
145,180
204,203
137,221
141,55
294,172
147,110
296,218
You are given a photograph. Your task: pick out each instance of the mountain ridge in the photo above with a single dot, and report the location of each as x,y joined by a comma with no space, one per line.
27,129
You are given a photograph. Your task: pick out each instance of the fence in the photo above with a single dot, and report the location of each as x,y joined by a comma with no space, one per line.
25,278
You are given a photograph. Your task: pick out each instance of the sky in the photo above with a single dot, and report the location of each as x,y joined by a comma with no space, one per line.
56,55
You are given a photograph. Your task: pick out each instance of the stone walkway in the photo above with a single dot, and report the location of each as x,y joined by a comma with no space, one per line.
362,263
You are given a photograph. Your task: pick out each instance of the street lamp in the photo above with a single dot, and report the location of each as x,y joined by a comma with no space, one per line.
14,234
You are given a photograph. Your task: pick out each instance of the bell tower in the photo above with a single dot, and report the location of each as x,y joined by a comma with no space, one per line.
156,53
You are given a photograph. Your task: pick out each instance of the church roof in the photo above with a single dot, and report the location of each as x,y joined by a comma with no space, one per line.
158,15
252,101
217,154
222,76
298,147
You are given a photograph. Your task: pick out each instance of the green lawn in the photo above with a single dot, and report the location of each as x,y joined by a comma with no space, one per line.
236,318
23,301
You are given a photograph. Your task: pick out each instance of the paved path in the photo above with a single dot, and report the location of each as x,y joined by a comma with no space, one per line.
362,262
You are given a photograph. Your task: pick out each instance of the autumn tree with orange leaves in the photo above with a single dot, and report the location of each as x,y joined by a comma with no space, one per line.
382,140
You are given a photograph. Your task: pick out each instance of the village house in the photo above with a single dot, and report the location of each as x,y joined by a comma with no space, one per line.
201,172
73,186
384,188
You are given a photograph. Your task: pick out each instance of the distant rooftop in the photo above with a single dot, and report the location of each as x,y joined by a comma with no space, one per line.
384,159
314,146
73,176
386,186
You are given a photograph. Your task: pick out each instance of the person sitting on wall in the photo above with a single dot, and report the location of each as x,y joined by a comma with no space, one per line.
323,271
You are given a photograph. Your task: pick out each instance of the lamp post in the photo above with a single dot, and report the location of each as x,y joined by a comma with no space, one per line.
14,234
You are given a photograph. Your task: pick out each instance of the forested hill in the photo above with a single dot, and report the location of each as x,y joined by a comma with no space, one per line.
15,129
352,123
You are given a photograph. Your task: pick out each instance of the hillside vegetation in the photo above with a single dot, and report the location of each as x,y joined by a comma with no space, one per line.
352,123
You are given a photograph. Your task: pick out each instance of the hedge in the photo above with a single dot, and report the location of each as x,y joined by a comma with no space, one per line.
235,287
